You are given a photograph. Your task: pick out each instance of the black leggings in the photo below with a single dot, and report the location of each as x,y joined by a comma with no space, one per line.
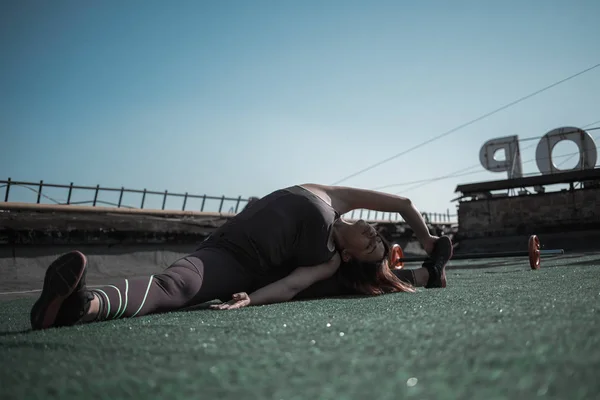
205,275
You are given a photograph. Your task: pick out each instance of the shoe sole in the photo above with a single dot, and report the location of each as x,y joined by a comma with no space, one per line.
62,277
448,243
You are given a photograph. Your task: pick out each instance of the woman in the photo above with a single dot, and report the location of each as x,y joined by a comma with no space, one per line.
275,250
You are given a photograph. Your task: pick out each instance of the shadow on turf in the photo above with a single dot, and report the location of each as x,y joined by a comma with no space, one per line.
206,306
512,271
482,265
38,346
8,333
565,259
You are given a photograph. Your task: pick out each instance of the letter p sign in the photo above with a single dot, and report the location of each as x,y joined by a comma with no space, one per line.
511,162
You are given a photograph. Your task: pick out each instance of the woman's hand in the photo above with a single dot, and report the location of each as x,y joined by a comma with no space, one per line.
238,300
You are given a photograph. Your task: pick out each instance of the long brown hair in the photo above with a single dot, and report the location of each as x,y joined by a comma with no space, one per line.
372,278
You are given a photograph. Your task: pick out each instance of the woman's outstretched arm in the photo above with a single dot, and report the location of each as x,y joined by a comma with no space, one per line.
284,289
345,199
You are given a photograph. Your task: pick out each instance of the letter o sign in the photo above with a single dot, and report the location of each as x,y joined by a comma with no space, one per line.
585,143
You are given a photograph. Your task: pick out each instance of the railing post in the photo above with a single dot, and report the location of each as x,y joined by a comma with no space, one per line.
7,190
550,156
96,194
70,192
221,205
184,201
143,198
164,200
40,191
582,154
237,205
203,201
121,197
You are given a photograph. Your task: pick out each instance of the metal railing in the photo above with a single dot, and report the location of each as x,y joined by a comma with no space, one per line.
97,190
164,196
379,216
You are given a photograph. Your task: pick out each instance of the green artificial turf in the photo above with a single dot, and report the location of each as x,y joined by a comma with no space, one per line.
498,332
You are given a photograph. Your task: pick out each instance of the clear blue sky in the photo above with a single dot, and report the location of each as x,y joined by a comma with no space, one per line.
244,97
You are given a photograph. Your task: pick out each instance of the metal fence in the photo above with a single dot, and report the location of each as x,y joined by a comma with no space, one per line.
236,204
379,216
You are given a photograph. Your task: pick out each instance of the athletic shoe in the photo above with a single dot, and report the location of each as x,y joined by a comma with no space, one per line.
64,299
442,253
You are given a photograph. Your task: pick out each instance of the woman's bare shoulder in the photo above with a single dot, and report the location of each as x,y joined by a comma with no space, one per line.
344,199
318,190
329,194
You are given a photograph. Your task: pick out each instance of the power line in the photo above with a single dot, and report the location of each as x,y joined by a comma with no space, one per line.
466,124
452,174
573,155
593,123
583,127
439,178
63,202
570,155
457,173
35,191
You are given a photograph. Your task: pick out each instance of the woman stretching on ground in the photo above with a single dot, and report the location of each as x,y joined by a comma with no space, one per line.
272,251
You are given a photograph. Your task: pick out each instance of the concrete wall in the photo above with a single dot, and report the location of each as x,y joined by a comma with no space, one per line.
530,214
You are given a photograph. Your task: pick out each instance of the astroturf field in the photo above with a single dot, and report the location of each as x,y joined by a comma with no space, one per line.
499,330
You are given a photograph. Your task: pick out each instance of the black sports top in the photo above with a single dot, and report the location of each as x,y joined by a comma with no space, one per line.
286,229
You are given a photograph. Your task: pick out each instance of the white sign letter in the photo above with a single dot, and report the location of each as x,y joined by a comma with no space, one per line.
587,149
512,156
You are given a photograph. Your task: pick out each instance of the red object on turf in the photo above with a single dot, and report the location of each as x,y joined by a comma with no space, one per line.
534,252
396,254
